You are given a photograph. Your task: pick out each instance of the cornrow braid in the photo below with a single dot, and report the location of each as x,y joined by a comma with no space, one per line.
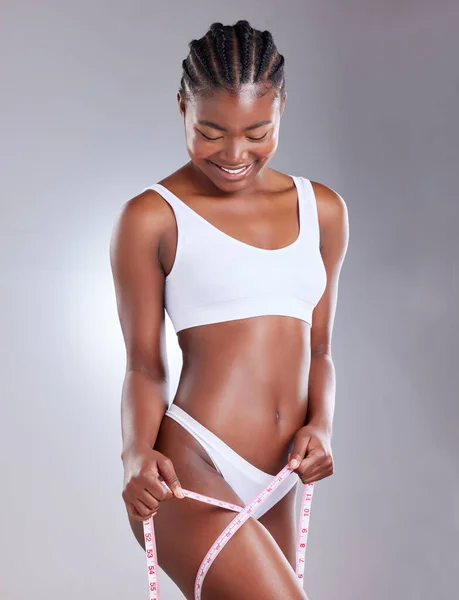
229,56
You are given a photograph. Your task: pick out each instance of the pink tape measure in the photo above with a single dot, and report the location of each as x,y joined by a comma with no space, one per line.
230,530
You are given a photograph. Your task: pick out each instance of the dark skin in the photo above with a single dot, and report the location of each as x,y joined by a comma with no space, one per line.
281,382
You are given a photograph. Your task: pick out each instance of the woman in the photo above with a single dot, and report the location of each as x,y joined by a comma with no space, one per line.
246,262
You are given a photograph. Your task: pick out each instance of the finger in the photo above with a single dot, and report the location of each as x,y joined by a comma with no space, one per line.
170,477
150,501
298,453
133,512
320,471
312,463
142,509
313,478
156,487
315,475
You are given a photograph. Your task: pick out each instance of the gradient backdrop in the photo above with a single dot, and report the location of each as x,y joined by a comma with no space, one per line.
89,118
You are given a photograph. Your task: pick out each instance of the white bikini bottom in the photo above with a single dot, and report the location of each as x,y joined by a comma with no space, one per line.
245,479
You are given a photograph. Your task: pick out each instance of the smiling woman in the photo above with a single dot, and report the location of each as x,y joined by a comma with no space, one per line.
250,66
236,147
245,260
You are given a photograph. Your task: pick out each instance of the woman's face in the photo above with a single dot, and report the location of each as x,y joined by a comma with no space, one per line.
233,132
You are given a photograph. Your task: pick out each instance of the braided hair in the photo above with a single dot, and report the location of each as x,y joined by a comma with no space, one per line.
227,57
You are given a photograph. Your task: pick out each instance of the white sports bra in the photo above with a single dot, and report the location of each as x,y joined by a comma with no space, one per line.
216,277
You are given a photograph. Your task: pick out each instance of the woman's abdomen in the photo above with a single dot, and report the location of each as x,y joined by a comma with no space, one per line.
247,382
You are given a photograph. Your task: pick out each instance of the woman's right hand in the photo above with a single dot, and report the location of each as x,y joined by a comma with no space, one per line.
149,479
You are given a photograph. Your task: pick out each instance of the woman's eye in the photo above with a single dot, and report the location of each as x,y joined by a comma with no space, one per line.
206,137
252,139
259,138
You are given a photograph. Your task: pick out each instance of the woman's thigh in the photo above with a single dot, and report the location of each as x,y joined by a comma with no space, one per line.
251,565
282,523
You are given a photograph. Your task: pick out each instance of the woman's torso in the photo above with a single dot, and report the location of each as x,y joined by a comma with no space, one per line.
245,379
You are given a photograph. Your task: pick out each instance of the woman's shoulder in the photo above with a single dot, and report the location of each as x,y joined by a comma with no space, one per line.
146,212
325,195
322,191
149,202
331,207
329,201
332,210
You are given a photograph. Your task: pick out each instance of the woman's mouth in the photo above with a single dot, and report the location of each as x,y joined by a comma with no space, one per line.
232,174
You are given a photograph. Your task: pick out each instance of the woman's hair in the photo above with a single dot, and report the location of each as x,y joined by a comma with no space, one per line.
228,56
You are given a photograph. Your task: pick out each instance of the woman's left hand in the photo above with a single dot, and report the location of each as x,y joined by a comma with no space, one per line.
312,450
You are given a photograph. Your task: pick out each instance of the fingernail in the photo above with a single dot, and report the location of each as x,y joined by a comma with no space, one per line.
294,463
179,493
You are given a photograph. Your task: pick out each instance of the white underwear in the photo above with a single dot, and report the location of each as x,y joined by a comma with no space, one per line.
245,479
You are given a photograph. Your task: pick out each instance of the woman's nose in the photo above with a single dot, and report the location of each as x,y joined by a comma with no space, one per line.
235,153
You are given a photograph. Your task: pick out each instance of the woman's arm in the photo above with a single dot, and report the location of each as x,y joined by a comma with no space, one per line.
311,456
334,237
139,285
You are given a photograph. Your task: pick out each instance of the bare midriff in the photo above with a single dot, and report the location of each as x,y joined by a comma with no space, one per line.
246,380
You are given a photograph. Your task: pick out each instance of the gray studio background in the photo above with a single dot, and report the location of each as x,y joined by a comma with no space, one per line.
88,119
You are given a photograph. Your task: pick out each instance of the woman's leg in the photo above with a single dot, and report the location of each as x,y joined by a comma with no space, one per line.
282,523
250,566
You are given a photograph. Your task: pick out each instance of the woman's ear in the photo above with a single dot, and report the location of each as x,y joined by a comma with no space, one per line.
181,104
282,106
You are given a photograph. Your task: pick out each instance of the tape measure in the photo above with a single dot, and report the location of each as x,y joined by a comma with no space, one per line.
242,516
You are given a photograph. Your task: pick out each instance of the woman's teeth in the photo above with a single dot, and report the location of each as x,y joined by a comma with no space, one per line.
233,171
